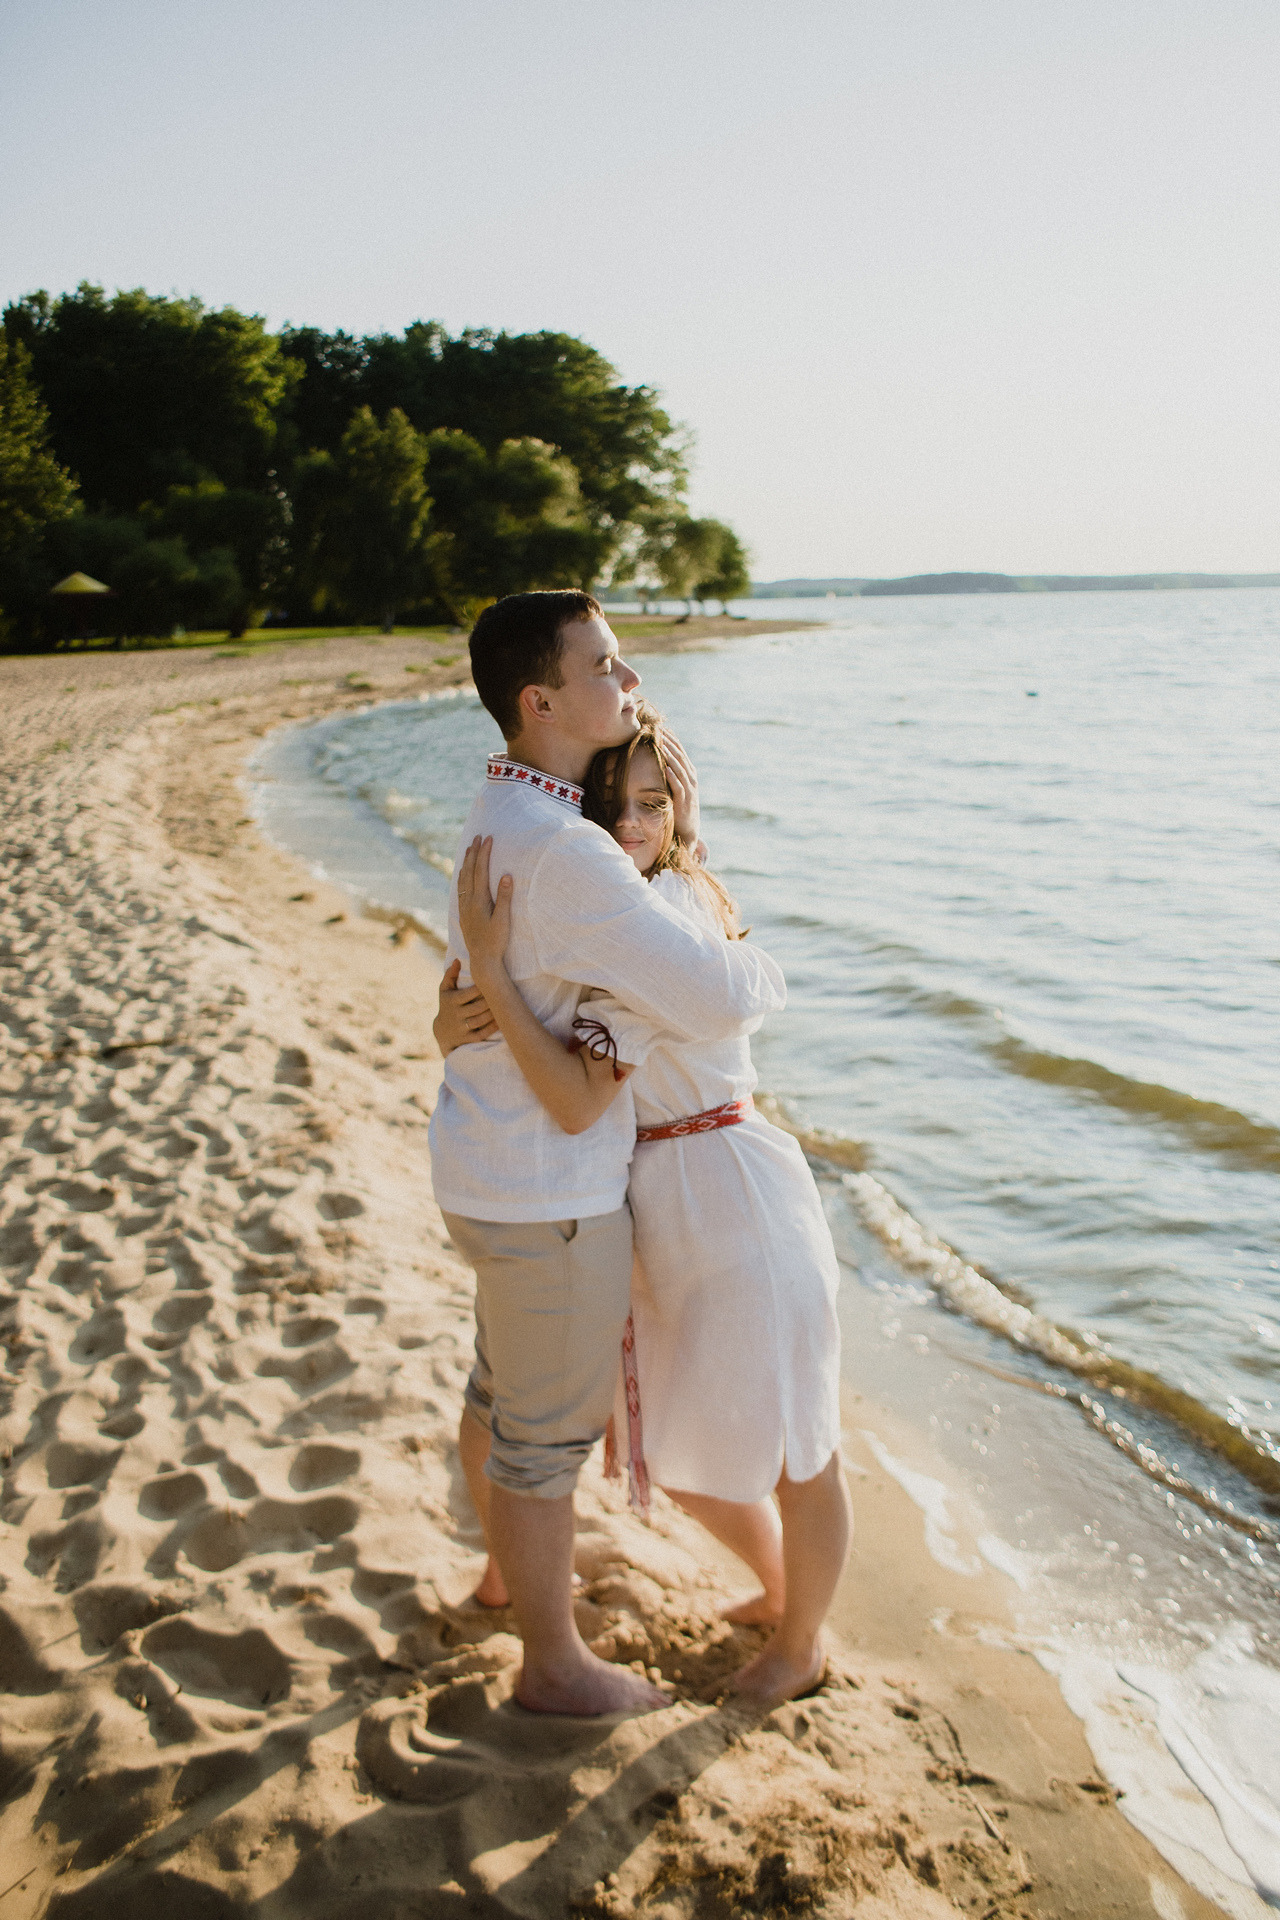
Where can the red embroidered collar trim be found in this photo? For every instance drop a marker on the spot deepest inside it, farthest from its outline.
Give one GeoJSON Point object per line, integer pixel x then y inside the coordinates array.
{"type": "Point", "coordinates": [502, 768]}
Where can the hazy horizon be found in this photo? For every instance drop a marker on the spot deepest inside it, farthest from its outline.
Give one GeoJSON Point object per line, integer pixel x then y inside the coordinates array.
{"type": "Point", "coordinates": [936, 288]}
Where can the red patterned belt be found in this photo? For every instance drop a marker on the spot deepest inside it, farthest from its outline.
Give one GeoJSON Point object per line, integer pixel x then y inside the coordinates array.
{"type": "Point", "coordinates": [731, 1114]}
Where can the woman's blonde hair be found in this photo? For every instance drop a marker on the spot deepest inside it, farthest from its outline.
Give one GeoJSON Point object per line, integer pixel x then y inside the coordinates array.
{"type": "Point", "coordinates": [605, 795]}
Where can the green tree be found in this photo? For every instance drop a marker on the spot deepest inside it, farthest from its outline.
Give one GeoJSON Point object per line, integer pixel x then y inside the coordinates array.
{"type": "Point", "coordinates": [252, 526]}
{"type": "Point", "coordinates": [682, 551]}
{"type": "Point", "coordinates": [362, 519]}
{"type": "Point", "coordinates": [329, 387]}
{"type": "Point", "coordinates": [261, 456]}
{"type": "Point", "coordinates": [628, 458]}
{"type": "Point", "coordinates": [146, 392]}
{"type": "Point", "coordinates": [730, 576]}
{"type": "Point", "coordinates": [35, 492]}
{"type": "Point", "coordinates": [506, 522]}
{"type": "Point", "coordinates": [160, 585]}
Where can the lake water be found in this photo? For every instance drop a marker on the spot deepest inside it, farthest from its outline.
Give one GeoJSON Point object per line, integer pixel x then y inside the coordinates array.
{"type": "Point", "coordinates": [1019, 856]}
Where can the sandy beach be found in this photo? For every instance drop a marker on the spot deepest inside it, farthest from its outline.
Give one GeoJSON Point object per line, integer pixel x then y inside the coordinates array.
{"type": "Point", "coordinates": [240, 1673]}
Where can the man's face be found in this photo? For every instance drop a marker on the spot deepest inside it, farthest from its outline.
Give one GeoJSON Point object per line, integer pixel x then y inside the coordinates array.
{"type": "Point", "coordinates": [594, 704]}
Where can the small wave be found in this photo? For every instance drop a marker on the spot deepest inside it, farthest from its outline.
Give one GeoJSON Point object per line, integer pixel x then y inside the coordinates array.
{"type": "Point", "coordinates": [798, 922]}
{"type": "Point", "coordinates": [967, 1291]}
{"type": "Point", "coordinates": [1207, 1125]}
{"type": "Point", "coordinates": [404, 921]}
{"type": "Point", "coordinates": [835, 1148]}
{"type": "Point", "coordinates": [426, 850]}
{"type": "Point", "coordinates": [739, 813]}
{"type": "Point", "coordinates": [1210, 1127]}
{"type": "Point", "coordinates": [944, 1005]}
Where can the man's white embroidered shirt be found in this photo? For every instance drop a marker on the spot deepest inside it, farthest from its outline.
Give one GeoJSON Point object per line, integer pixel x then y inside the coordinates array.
{"type": "Point", "coordinates": [581, 917]}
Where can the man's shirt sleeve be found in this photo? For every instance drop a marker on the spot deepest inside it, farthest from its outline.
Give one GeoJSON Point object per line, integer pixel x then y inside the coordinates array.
{"type": "Point", "coordinates": [594, 920]}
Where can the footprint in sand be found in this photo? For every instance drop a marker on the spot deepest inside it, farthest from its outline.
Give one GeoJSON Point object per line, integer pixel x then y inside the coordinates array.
{"type": "Point", "coordinates": [122, 1426]}
{"type": "Point", "coordinates": [22, 1671]}
{"type": "Point", "coordinates": [471, 1734]}
{"type": "Point", "coordinates": [293, 1069]}
{"type": "Point", "coordinates": [305, 1329]}
{"type": "Point", "coordinates": [170, 1494]}
{"type": "Point", "coordinates": [70, 1464]}
{"type": "Point", "coordinates": [237, 1480]}
{"type": "Point", "coordinates": [180, 1313]}
{"type": "Point", "coordinates": [314, 1367]}
{"type": "Point", "coordinates": [339, 1206]}
{"type": "Point", "coordinates": [99, 1338]}
{"type": "Point", "coordinates": [109, 1608]}
{"type": "Point", "coordinates": [82, 1197]}
{"type": "Point", "coordinates": [75, 1549]}
{"type": "Point", "coordinates": [369, 1304]}
{"type": "Point", "coordinates": [319, 1464]}
{"type": "Point", "coordinates": [220, 1540]}
{"type": "Point", "coordinates": [246, 1668]}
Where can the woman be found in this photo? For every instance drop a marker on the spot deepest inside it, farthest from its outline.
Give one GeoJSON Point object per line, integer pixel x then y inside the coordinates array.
{"type": "Point", "coordinates": [733, 1293]}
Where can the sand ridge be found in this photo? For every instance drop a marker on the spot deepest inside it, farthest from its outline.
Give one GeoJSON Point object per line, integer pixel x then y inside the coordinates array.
{"type": "Point", "coordinates": [239, 1671]}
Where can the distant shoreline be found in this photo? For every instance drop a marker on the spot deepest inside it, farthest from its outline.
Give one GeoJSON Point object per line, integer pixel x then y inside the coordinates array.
{"type": "Point", "coordinates": [920, 583]}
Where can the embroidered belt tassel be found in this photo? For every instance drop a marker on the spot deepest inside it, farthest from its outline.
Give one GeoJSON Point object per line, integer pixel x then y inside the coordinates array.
{"type": "Point", "coordinates": [637, 1471]}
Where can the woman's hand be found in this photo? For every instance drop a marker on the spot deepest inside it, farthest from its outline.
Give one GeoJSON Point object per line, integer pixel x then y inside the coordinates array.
{"type": "Point", "coordinates": [682, 779]}
{"type": "Point", "coordinates": [486, 921]}
{"type": "Point", "coordinates": [463, 1014]}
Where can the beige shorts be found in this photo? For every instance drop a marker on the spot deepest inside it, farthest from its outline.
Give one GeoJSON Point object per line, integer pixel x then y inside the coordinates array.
{"type": "Point", "coordinates": [552, 1298]}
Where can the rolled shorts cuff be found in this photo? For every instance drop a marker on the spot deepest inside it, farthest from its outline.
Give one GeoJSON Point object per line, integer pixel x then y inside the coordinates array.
{"type": "Point", "coordinates": [539, 1473]}
{"type": "Point", "coordinates": [478, 1400]}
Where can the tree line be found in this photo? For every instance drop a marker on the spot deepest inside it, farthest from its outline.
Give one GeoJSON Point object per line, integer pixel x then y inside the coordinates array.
{"type": "Point", "coordinates": [212, 473]}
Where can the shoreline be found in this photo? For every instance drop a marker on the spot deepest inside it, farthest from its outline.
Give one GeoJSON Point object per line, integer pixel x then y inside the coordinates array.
{"type": "Point", "coordinates": [271, 1560]}
{"type": "Point", "coordinates": [677, 633]}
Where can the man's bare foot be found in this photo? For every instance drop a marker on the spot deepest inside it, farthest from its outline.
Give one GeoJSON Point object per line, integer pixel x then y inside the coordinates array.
{"type": "Point", "coordinates": [492, 1591]}
{"type": "Point", "coordinates": [779, 1674]}
{"type": "Point", "coordinates": [587, 1685]}
{"type": "Point", "coordinates": [759, 1611]}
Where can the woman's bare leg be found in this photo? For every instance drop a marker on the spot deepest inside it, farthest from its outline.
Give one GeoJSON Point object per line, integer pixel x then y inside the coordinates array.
{"type": "Point", "coordinates": [753, 1531]}
{"type": "Point", "coordinates": [817, 1523]}
{"type": "Point", "coordinates": [473, 1445]}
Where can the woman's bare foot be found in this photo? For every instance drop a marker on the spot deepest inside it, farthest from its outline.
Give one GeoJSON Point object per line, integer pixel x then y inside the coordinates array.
{"type": "Point", "coordinates": [587, 1685]}
{"type": "Point", "coordinates": [761, 1610]}
{"type": "Point", "coordinates": [780, 1673]}
{"type": "Point", "coordinates": [492, 1591]}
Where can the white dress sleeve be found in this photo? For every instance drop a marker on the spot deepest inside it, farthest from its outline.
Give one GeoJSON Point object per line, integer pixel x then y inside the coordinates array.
{"type": "Point", "coordinates": [636, 1034]}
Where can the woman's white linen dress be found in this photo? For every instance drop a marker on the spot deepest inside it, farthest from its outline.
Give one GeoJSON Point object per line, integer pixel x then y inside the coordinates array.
{"type": "Point", "coordinates": [735, 1278]}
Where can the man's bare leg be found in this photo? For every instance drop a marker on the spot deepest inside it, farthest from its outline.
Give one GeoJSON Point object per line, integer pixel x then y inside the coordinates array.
{"type": "Point", "coordinates": [817, 1523]}
{"type": "Point", "coordinates": [473, 1445]}
{"type": "Point", "coordinates": [752, 1530]}
{"type": "Point", "coordinates": [533, 1542]}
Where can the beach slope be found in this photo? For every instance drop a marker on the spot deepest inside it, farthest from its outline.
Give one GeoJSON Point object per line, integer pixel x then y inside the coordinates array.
{"type": "Point", "coordinates": [240, 1673]}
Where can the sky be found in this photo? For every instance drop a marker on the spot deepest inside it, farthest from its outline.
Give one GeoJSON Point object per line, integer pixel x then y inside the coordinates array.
{"type": "Point", "coordinates": [934, 284]}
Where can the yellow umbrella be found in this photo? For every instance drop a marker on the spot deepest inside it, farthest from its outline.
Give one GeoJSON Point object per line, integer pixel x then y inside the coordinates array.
{"type": "Point", "coordinates": [79, 583]}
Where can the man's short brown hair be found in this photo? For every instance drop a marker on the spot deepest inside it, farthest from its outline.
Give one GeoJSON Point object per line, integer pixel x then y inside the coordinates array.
{"type": "Point", "coordinates": [516, 644]}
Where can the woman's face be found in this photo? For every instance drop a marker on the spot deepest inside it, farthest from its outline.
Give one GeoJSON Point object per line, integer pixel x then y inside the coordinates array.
{"type": "Point", "coordinates": [644, 827]}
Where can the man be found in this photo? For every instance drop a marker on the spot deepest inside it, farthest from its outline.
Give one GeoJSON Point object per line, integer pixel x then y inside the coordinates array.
{"type": "Point", "coordinates": [541, 1214]}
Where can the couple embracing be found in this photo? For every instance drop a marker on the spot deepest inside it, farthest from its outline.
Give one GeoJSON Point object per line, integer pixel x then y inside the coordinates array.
{"type": "Point", "coordinates": [597, 1161]}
